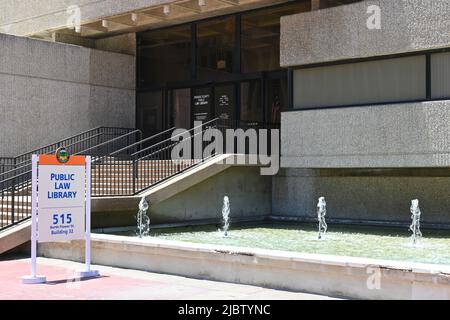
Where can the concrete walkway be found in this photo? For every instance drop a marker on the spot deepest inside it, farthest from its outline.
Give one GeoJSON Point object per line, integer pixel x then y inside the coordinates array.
{"type": "Point", "coordinates": [123, 284]}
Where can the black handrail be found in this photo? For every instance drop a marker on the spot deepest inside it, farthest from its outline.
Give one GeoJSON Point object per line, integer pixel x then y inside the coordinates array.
{"type": "Point", "coordinates": [139, 143]}
{"type": "Point", "coordinates": [15, 204]}
{"type": "Point", "coordinates": [117, 170]}
{"type": "Point", "coordinates": [111, 141]}
{"type": "Point", "coordinates": [176, 136]}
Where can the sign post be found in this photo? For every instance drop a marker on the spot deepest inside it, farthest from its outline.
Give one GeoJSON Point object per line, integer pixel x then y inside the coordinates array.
{"type": "Point", "coordinates": [61, 205]}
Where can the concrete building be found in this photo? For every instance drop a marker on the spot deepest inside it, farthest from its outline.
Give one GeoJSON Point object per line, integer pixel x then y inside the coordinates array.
{"type": "Point", "coordinates": [360, 90]}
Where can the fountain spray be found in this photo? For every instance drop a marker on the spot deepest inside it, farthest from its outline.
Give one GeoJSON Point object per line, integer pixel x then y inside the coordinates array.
{"type": "Point", "coordinates": [415, 224]}
{"type": "Point", "coordinates": [225, 215]}
{"type": "Point", "coordinates": [321, 212]}
{"type": "Point", "coordinates": [143, 221]}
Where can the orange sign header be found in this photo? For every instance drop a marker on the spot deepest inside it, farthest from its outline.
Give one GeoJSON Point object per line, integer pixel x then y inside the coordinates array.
{"type": "Point", "coordinates": [51, 159]}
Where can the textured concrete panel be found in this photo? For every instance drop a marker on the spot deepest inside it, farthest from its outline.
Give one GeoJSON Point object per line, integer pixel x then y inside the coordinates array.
{"type": "Point", "coordinates": [342, 33]}
{"type": "Point", "coordinates": [51, 91]}
{"type": "Point", "coordinates": [249, 193]}
{"type": "Point", "coordinates": [26, 17]}
{"type": "Point", "coordinates": [400, 135]}
{"type": "Point", "coordinates": [295, 194]}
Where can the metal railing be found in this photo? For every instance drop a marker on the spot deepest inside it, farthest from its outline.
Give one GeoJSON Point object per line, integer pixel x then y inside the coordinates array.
{"type": "Point", "coordinates": [123, 163]}
{"type": "Point", "coordinates": [125, 172]}
{"type": "Point", "coordinates": [15, 197]}
{"type": "Point", "coordinates": [6, 164]}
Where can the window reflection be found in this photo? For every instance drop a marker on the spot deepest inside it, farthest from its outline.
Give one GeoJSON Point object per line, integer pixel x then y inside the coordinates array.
{"type": "Point", "coordinates": [216, 42]}
{"type": "Point", "coordinates": [165, 56]}
{"type": "Point", "coordinates": [251, 106]}
{"type": "Point", "coordinates": [261, 37]}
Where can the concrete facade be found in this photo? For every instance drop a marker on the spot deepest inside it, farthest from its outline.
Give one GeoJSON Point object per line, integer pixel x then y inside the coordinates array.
{"type": "Point", "coordinates": [400, 135]}
{"type": "Point", "coordinates": [26, 17]}
{"type": "Point", "coordinates": [370, 136]}
{"type": "Point", "coordinates": [385, 199]}
{"type": "Point", "coordinates": [249, 193]}
{"type": "Point", "coordinates": [33, 17]}
{"type": "Point", "coordinates": [50, 91]}
{"type": "Point", "coordinates": [341, 33]}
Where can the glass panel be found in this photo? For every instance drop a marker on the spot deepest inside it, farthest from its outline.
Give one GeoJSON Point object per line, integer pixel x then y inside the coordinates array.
{"type": "Point", "coordinates": [440, 75]}
{"type": "Point", "coordinates": [381, 81]}
{"type": "Point", "coordinates": [216, 42]}
{"type": "Point", "coordinates": [260, 42]}
{"type": "Point", "coordinates": [180, 103]}
{"type": "Point", "coordinates": [165, 56]}
{"type": "Point", "coordinates": [251, 105]}
{"type": "Point", "coordinates": [276, 99]}
{"type": "Point", "coordinates": [150, 112]}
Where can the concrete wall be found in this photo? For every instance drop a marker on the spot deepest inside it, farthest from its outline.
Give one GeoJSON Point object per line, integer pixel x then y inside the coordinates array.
{"type": "Point", "coordinates": [50, 91]}
{"type": "Point", "coordinates": [323, 274]}
{"type": "Point", "coordinates": [341, 32]}
{"type": "Point", "coordinates": [376, 198]}
{"type": "Point", "coordinates": [400, 135]}
{"type": "Point", "coordinates": [249, 193]}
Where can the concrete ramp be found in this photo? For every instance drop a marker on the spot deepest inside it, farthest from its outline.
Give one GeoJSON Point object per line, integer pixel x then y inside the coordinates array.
{"type": "Point", "coordinates": [15, 236]}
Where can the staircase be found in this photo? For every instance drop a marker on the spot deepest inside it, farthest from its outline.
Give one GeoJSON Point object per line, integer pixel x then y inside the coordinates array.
{"type": "Point", "coordinates": [123, 164]}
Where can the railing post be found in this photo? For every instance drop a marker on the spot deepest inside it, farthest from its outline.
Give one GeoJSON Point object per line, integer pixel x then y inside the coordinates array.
{"type": "Point", "coordinates": [134, 176]}
{"type": "Point", "coordinates": [13, 197]}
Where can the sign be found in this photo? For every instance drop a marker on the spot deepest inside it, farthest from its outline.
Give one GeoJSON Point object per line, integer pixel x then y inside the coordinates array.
{"type": "Point", "coordinates": [61, 206]}
{"type": "Point", "coordinates": [202, 107]}
{"type": "Point", "coordinates": [61, 209]}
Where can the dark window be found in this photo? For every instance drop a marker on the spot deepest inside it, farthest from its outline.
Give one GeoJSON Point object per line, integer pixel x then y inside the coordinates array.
{"type": "Point", "coordinates": [251, 107]}
{"type": "Point", "coordinates": [165, 56]}
{"type": "Point", "coordinates": [180, 108]}
{"type": "Point", "coordinates": [380, 81]}
{"type": "Point", "coordinates": [260, 44]}
{"type": "Point", "coordinates": [215, 46]}
{"type": "Point", "coordinates": [276, 99]}
{"type": "Point", "coordinates": [150, 112]}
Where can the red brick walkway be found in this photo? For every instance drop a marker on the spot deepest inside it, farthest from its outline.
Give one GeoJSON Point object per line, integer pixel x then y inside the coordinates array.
{"type": "Point", "coordinates": [115, 283]}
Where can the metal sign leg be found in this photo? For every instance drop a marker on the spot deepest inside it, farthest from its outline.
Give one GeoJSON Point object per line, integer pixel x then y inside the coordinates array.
{"type": "Point", "coordinates": [33, 278]}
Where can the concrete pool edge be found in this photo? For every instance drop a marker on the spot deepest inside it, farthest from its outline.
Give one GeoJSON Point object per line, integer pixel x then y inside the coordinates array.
{"type": "Point", "coordinates": [315, 273]}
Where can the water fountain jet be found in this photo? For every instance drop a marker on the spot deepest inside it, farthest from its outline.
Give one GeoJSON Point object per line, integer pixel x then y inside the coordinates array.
{"type": "Point", "coordinates": [225, 215]}
{"type": "Point", "coordinates": [415, 224]}
{"type": "Point", "coordinates": [321, 212]}
{"type": "Point", "coordinates": [142, 219]}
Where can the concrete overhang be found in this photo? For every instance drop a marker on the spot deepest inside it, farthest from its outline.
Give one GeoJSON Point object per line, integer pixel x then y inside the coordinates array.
{"type": "Point", "coordinates": [99, 19]}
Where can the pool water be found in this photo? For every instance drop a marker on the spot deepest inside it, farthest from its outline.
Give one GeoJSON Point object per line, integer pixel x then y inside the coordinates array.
{"type": "Point", "coordinates": [355, 241]}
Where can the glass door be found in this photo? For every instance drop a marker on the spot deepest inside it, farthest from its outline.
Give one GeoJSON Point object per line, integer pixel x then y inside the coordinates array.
{"type": "Point", "coordinates": [150, 108]}
{"type": "Point", "coordinates": [179, 101]}
{"type": "Point", "coordinates": [276, 99]}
